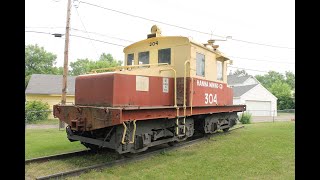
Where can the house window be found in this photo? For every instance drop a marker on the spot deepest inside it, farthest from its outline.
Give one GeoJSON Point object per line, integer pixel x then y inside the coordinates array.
{"type": "Point", "coordinates": [144, 57]}
{"type": "Point", "coordinates": [130, 59]}
{"type": "Point", "coordinates": [164, 56]}
{"type": "Point", "coordinates": [200, 64]}
{"type": "Point", "coordinates": [219, 71]}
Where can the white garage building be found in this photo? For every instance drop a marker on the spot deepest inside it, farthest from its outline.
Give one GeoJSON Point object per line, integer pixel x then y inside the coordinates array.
{"type": "Point", "coordinates": [248, 90]}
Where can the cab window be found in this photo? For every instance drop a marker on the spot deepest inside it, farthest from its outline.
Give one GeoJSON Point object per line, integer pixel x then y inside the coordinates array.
{"type": "Point", "coordinates": [130, 59]}
{"type": "Point", "coordinates": [144, 57]}
{"type": "Point", "coordinates": [200, 64]}
{"type": "Point", "coordinates": [164, 56]}
{"type": "Point", "coordinates": [219, 70]}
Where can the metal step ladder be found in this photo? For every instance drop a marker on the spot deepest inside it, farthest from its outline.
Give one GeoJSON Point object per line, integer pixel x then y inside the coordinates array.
{"type": "Point", "coordinates": [181, 126]}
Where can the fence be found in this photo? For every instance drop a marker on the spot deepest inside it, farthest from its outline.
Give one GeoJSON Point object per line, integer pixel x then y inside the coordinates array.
{"type": "Point", "coordinates": [272, 116]}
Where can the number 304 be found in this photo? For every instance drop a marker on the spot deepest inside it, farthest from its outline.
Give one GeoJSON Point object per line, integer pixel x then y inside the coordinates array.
{"type": "Point", "coordinates": [153, 43]}
{"type": "Point", "coordinates": [209, 98]}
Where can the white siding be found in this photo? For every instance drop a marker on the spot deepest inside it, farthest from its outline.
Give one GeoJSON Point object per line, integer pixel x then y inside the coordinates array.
{"type": "Point", "coordinates": [236, 101]}
{"type": "Point", "coordinates": [259, 93]}
{"type": "Point", "coordinates": [259, 108]}
{"type": "Point", "coordinates": [250, 81]}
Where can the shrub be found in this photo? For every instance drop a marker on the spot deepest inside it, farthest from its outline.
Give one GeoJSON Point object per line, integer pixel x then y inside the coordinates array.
{"type": "Point", "coordinates": [36, 111]}
{"type": "Point", "coordinates": [245, 118]}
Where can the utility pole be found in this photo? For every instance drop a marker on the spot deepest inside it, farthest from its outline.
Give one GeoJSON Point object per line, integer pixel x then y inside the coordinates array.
{"type": "Point", "coordinates": [65, 66]}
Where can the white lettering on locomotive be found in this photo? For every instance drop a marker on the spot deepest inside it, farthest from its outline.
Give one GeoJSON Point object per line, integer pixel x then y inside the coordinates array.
{"type": "Point", "coordinates": [209, 84]}
{"type": "Point", "coordinates": [210, 98]}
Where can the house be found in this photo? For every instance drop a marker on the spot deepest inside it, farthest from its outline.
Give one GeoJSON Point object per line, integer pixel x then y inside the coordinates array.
{"type": "Point", "coordinates": [48, 88]}
{"type": "Point", "coordinates": [248, 90]}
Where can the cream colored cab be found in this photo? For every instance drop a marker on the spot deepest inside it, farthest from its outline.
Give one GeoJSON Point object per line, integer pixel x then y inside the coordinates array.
{"type": "Point", "coordinates": [206, 62]}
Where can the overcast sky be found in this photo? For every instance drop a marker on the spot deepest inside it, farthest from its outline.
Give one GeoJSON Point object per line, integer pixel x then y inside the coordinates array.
{"type": "Point", "coordinates": [269, 22]}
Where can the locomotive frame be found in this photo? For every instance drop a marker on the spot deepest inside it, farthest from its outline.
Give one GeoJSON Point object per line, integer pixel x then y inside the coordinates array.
{"type": "Point", "coordinates": [144, 104]}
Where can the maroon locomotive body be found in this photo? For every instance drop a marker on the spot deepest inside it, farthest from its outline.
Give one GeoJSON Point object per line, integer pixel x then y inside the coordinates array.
{"type": "Point", "coordinates": [169, 89]}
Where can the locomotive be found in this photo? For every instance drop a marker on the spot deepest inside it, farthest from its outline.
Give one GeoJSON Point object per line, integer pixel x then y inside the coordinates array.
{"type": "Point", "coordinates": [169, 88]}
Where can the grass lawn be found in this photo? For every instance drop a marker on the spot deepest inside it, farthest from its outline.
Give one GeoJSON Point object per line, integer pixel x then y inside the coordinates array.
{"type": "Point", "coordinates": [43, 142]}
{"type": "Point", "coordinates": [47, 122]}
{"type": "Point", "coordinates": [258, 151]}
{"type": "Point", "coordinates": [285, 114]}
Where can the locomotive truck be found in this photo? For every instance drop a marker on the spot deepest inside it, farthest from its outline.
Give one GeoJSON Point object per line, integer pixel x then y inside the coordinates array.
{"type": "Point", "coordinates": [169, 88]}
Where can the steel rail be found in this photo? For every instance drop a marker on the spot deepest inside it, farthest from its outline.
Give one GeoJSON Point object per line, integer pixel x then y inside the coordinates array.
{"type": "Point", "coordinates": [136, 157]}
{"type": "Point", "coordinates": [57, 156]}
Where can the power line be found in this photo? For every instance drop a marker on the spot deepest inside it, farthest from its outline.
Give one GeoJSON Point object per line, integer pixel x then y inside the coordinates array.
{"type": "Point", "coordinates": [132, 41]}
{"type": "Point", "coordinates": [91, 32]}
{"type": "Point", "coordinates": [98, 40]}
{"type": "Point", "coordinates": [149, 19]}
{"type": "Point", "coordinates": [80, 37]}
{"type": "Point", "coordinates": [248, 69]}
{"type": "Point", "coordinates": [239, 40]}
{"type": "Point", "coordinates": [41, 27]}
{"type": "Point", "coordinates": [103, 35]}
{"type": "Point", "coordinates": [262, 44]}
{"type": "Point", "coordinates": [39, 32]}
{"type": "Point", "coordinates": [94, 47]}
{"type": "Point", "coordinates": [250, 59]}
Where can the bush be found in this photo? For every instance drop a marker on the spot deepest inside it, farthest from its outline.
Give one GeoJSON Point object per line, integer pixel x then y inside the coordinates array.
{"type": "Point", "coordinates": [245, 118]}
{"type": "Point", "coordinates": [36, 111]}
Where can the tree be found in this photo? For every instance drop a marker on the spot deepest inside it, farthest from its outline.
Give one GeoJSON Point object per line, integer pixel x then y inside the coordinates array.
{"type": "Point", "coordinates": [290, 79]}
{"type": "Point", "coordinates": [39, 61]}
{"type": "Point", "coordinates": [82, 66]}
{"type": "Point", "coordinates": [240, 72]}
{"type": "Point", "coordinates": [268, 79]}
{"type": "Point", "coordinates": [282, 91]}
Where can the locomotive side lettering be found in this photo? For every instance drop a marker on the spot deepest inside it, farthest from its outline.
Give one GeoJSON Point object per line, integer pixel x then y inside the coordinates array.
{"type": "Point", "coordinates": [209, 84]}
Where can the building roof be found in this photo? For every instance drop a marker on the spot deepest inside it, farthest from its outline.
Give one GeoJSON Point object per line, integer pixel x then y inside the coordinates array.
{"type": "Point", "coordinates": [240, 90]}
{"type": "Point", "coordinates": [49, 84]}
{"type": "Point", "coordinates": [236, 79]}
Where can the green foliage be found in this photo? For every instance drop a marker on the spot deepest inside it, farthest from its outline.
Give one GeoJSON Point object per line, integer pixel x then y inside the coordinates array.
{"type": "Point", "coordinates": [283, 92]}
{"type": "Point", "coordinates": [281, 87]}
{"type": "Point", "coordinates": [245, 118]}
{"type": "Point", "coordinates": [268, 79]}
{"type": "Point", "coordinates": [36, 111]}
{"type": "Point", "coordinates": [290, 79]}
{"type": "Point", "coordinates": [82, 66]}
{"type": "Point", "coordinates": [39, 61]}
{"type": "Point", "coordinates": [240, 72]}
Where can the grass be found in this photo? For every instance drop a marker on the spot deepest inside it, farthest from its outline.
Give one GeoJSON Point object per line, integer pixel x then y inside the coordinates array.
{"type": "Point", "coordinates": [43, 142]}
{"type": "Point", "coordinates": [47, 122]}
{"type": "Point", "coordinates": [258, 151]}
{"type": "Point", "coordinates": [285, 114]}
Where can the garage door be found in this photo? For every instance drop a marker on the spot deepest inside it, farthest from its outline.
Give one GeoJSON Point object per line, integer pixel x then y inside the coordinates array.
{"type": "Point", "coordinates": [259, 108]}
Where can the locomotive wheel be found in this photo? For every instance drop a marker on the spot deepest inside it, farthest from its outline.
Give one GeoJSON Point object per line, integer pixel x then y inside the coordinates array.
{"type": "Point", "coordinates": [172, 143]}
{"type": "Point", "coordinates": [226, 129]}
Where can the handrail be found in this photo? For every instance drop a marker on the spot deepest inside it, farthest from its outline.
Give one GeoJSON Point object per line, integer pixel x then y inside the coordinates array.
{"type": "Point", "coordinates": [191, 101]}
{"type": "Point", "coordinates": [175, 83]}
{"type": "Point", "coordinates": [125, 131]}
{"type": "Point", "coordinates": [127, 67]}
{"type": "Point", "coordinates": [134, 131]}
{"type": "Point", "coordinates": [184, 85]}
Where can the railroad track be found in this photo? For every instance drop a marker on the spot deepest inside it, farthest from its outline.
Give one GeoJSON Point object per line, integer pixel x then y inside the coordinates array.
{"type": "Point", "coordinates": [127, 159]}
{"type": "Point", "coordinates": [57, 156]}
